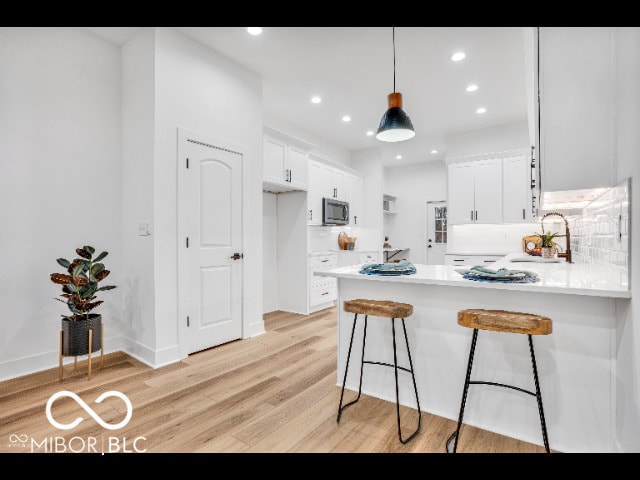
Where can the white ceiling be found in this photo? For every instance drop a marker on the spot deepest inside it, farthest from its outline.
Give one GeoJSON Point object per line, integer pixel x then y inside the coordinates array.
{"type": "Point", "coordinates": [351, 68]}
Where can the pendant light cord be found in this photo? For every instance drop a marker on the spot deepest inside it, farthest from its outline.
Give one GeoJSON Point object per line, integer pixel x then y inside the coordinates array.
{"type": "Point", "coordinates": [394, 59]}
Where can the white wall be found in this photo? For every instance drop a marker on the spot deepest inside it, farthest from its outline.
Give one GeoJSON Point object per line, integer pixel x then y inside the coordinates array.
{"type": "Point", "coordinates": [205, 92]}
{"type": "Point", "coordinates": [269, 252]}
{"type": "Point", "coordinates": [59, 182]}
{"type": "Point", "coordinates": [324, 148]}
{"type": "Point", "coordinates": [628, 166]}
{"type": "Point", "coordinates": [138, 107]}
{"type": "Point", "coordinates": [414, 186]}
{"type": "Point", "coordinates": [485, 142]}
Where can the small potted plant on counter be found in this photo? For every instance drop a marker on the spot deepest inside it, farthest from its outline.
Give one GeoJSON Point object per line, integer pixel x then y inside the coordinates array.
{"type": "Point", "coordinates": [79, 288]}
{"type": "Point", "coordinates": [548, 245]}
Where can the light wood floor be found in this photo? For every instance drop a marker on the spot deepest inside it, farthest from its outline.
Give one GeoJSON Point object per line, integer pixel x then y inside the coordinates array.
{"type": "Point", "coordinates": [275, 393]}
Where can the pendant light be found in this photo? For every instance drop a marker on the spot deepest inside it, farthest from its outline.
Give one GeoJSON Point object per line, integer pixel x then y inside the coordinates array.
{"type": "Point", "coordinates": [395, 125]}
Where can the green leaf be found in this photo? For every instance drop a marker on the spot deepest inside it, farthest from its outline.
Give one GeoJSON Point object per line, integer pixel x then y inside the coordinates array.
{"type": "Point", "coordinates": [78, 270]}
{"type": "Point", "coordinates": [106, 287]}
{"type": "Point", "coordinates": [63, 262]}
{"type": "Point", "coordinates": [101, 256]}
{"type": "Point", "coordinates": [88, 290]}
{"type": "Point", "coordinates": [97, 268]}
{"type": "Point", "coordinates": [89, 249]}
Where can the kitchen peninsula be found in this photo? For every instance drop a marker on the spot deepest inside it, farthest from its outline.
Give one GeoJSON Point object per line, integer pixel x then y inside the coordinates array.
{"type": "Point", "coordinates": [576, 363]}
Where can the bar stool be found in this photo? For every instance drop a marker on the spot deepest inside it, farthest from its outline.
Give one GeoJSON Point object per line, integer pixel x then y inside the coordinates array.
{"type": "Point", "coordinates": [386, 309]}
{"type": "Point", "coordinates": [509, 322]}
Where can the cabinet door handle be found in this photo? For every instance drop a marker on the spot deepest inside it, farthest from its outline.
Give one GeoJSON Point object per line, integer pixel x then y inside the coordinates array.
{"type": "Point", "coordinates": [290, 175]}
{"type": "Point", "coordinates": [476, 215]}
{"type": "Point", "coordinates": [472, 215]}
{"type": "Point", "coordinates": [311, 214]}
{"type": "Point", "coordinates": [355, 219]}
{"type": "Point", "coordinates": [523, 213]}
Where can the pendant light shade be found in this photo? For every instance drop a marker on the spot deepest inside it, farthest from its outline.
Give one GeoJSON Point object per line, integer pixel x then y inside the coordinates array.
{"type": "Point", "coordinates": [395, 125]}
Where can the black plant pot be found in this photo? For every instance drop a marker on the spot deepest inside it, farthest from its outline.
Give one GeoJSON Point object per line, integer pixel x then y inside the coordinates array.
{"type": "Point", "coordinates": [75, 335]}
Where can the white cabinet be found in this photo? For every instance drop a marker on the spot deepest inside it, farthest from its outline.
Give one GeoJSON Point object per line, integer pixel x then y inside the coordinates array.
{"type": "Point", "coordinates": [470, 260]}
{"type": "Point", "coordinates": [516, 189]}
{"type": "Point", "coordinates": [327, 181]}
{"type": "Point", "coordinates": [356, 201]}
{"type": "Point", "coordinates": [322, 290]}
{"type": "Point", "coordinates": [576, 108]}
{"type": "Point", "coordinates": [475, 192]}
{"type": "Point", "coordinates": [285, 162]}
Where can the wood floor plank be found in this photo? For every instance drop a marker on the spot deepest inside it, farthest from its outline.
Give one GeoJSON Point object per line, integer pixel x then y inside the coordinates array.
{"type": "Point", "coordinates": [273, 393]}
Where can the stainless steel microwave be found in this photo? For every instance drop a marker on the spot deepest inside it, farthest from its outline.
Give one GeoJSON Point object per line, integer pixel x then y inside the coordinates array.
{"type": "Point", "coordinates": [335, 212]}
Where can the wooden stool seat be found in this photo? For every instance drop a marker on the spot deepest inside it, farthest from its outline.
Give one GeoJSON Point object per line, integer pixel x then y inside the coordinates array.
{"type": "Point", "coordinates": [505, 321]}
{"type": "Point", "coordinates": [378, 308]}
{"type": "Point", "coordinates": [394, 311]}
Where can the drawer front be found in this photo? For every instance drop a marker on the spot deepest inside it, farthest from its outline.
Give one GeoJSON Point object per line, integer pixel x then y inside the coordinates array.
{"type": "Point", "coordinates": [323, 261]}
{"type": "Point", "coordinates": [322, 293]}
{"type": "Point", "coordinates": [368, 258]}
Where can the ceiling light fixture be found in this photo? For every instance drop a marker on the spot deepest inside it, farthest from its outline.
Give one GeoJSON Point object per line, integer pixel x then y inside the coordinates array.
{"type": "Point", "coordinates": [254, 30]}
{"type": "Point", "coordinates": [456, 57]}
{"type": "Point", "coordinates": [398, 157]}
{"type": "Point", "coordinates": [395, 125]}
{"type": "Point", "coordinates": [433, 152]}
{"type": "Point", "coordinates": [346, 118]}
{"type": "Point", "coordinates": [472, 88]}
{"type": "Point", "coordinates": [316, 100]}
{"type": "Point", "coordinates": [481, 110]}
{"type": "Point", "coordinates": [369, 133]}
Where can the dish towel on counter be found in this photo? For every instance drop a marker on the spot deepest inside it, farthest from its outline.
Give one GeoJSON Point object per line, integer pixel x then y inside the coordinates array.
{"type": "Point", "coordinates": [502, 275]}
{"type": "Point", "coordinates": [402, 267]}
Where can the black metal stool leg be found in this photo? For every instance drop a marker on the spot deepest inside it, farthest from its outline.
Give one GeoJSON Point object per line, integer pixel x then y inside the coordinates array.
{"type": "Point", "coordinates": [346, 369]}
{"type": "Point", "coordinates": [465, 390]}
{"type": "Point", "coordinates": [415, 388]}
{"type": "Point", "coordinates": [543, 423]}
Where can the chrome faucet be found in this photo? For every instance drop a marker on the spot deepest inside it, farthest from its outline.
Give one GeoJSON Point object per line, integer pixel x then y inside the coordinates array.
{"type": "Point", "coordinates": [567, 253]}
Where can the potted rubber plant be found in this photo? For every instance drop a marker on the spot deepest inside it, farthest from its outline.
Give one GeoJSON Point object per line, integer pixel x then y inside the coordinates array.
{"type": "Point", "coordinates": [80, 285]}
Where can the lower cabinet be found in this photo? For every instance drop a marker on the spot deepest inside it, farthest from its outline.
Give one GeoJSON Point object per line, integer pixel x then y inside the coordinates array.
{"type": "Point", "coordinates": [470, 260]}
{"type": "Point", "coordinates": [322, 290]}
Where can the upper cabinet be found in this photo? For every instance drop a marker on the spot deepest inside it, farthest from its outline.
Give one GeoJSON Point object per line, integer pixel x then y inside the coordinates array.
{"type": "Point", "coordinates": [327, 181]}
{"type": "Point", "coordinates": [285, 162]}
{"type": "Point", "coordinates": [495, 190]}
{"type": "Point", "coordinates": [475, 192]}
{"type": "Point", "coordinates": [516, 190]}
{"type": "Point", "coordinates": [571, 107]}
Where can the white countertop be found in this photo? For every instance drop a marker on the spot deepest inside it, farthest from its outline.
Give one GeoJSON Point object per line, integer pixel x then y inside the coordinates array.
{"type": "Point", "coordinates": [556, 277]}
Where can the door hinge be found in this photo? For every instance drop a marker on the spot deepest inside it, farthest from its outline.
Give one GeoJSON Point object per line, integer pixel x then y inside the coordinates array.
{"type": "Point", "coordinates": [187, 242]}
{"type": "Point", "coordinates": [187, 321]}
{"type": "Point", "coordinates": [187, 162]}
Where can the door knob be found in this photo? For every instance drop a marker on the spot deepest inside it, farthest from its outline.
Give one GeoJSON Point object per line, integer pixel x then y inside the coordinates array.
{"type": "Point", "coordinates": [429, 246]}
{"type": "Point", "coordinates": [237, 256]}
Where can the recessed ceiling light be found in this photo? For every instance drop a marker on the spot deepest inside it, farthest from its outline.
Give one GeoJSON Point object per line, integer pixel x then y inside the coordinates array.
{"type": "Point", "coordinates": [346, 118]}
{"type": "Point", "coordinates": [433, 152]}
{"type": "Point", "coordinates": [456, 57]}
{"type": "Point", "coordinates": [316, 99]}
{"type": "Point", "coordinates": [481, 110]}
{"type": "Point", "coordinates": [254, 30]}
{"type": "Point", "coordinates": [472, 88]}
{"type": "Point", "coordinates": [369, 133]}
{"type": "Point", "coordinates": [398, 157]}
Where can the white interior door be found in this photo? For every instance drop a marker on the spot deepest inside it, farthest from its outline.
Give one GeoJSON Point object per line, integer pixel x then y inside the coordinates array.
{"type": "Point", "coordinates": [213, 245]}
{"type": "Point", "coordinates": [436, 232]}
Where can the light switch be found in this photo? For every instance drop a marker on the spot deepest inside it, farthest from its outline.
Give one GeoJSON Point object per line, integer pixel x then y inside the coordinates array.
{"type": "Point", "coordinates": [143, 229]}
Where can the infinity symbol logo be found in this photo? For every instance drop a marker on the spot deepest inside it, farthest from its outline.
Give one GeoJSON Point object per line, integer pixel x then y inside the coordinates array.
{"type": "Point", "coordinates": [89, 410]}
{"type": "Point", "coordinates": [13, 438]}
